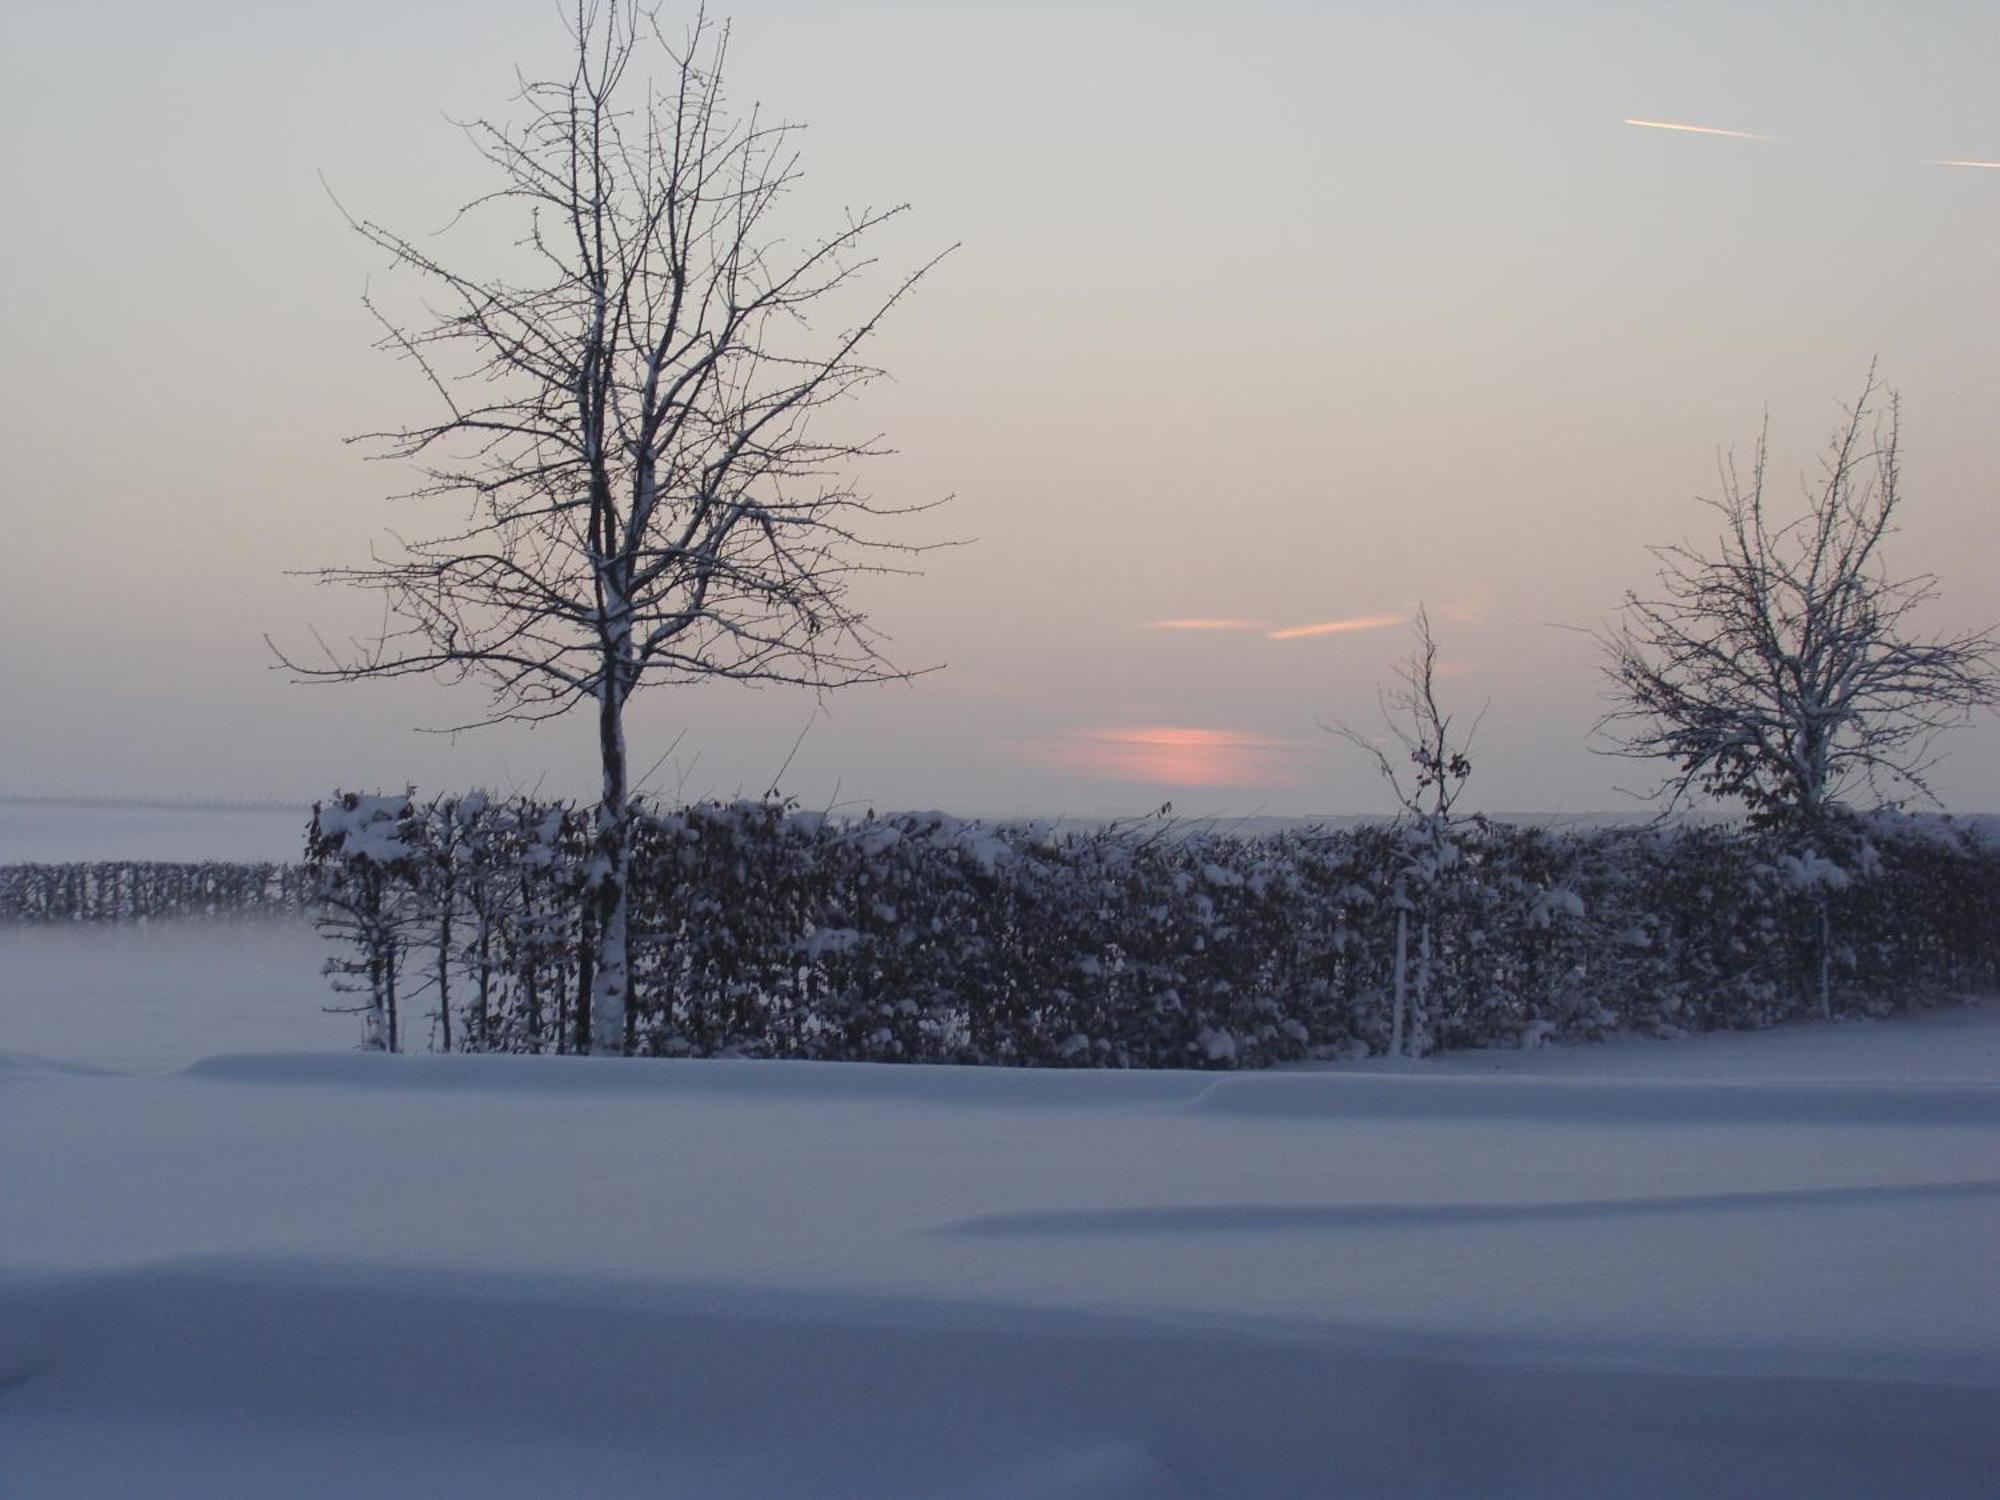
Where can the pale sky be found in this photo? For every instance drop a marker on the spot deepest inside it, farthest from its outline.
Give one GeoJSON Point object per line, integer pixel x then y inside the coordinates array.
{"type": "Point", "coordinates": [1267, 317]}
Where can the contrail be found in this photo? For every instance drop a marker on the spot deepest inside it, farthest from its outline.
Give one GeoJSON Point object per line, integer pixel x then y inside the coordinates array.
{"type": "Point", "coordinates": [1995, 164]}
{"type": "Point", "coordinates": [1336, 627]}
{"type": "Point", "coordinates": [1204, 624]}
{"type": "Point", "coordinates": [1740, 135]}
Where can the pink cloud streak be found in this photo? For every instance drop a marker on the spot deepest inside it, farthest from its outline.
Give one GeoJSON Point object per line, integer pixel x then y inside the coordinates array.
{"type": "Point", "coordinates": [1336, 627]}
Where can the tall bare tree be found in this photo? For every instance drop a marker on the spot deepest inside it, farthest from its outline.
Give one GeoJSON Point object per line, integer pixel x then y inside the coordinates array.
{"type": "Point", "coordinates": [1783, 668]}
{"type": "Point", "coordinates": [630, 420]}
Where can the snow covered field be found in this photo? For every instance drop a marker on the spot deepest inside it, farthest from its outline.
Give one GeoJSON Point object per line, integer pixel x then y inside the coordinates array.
{"type": "Point", "coordinates": [165, 995]}
{"type": "Point", "coordinates": [1737, 1265]}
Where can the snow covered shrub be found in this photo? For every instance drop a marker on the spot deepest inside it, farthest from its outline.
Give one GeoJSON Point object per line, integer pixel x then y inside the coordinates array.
{"type": "Point", "coordinates": [1920, 915]}
{"type": "Point", "coordinates": [370, 896]}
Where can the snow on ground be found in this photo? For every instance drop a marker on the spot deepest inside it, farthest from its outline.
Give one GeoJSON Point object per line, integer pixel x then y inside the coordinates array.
{"type": "Point", "coordinates": [1959, 1043]}
{"type": "Point", "coordinates": [1754, 1265]}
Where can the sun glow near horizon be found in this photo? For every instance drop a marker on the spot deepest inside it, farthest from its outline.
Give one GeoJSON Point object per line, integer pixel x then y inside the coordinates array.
{"type": "Point", "coordinates": [1172, 755]}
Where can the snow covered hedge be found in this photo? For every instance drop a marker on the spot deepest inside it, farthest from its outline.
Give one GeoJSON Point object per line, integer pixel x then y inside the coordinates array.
{"type": "Point", "coordinates": [761, 930]}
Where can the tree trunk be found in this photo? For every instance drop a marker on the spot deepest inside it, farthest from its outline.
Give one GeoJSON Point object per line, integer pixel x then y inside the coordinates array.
{"type": "Point", "coordinates": [376, 1032]}
{"type": "Point", "coordinates": [389, 996]}
{"type": "Point", "coordinates": [1825, 963]}
{"type": "Point", "coordinates": [1422, 995]}
{"type": "Point", "coordinates": [605, 1024]}
{"type": "Point", "coordinates": [444, 964]}
{"type": "Point", "coordinates": [531, 963]}
{"type": "Point", "coordinates": [1402, 975]}
{"type": "Point", "coordinates": [483, 1016]}
{"type": "Point", "coordinates": [573, 1032]}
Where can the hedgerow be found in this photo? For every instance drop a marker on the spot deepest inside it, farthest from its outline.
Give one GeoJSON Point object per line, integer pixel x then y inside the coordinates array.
{"type": "Point", "coordinates": [761, 930]}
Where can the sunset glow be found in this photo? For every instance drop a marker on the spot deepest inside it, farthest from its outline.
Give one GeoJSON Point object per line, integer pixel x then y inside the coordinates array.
{"type": "Point", "coordinates": [1337, 627]}
{"type": "Point", "coordinates": [1173, 755]}
{"type": "Point", "coordinates": [1217, 394]}
{"type": "Point", "coordinates": [1740, 135]}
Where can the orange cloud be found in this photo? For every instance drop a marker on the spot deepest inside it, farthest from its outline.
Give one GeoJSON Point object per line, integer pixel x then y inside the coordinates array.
{"type": "Point", "coordinates": [1469, 611]}
{"type": "Point", "coordinates": [1172, 755]}
{"type": "Point", "coordinates": [1740, 135]}
{"type": "Point", "coordinates": [1336, 627]}
{"type": "Point", "coordinates": [1204, 624]}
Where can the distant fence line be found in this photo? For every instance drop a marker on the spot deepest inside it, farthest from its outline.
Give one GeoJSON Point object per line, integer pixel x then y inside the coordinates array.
{"type": "Point", "coordinates": [143, 890]}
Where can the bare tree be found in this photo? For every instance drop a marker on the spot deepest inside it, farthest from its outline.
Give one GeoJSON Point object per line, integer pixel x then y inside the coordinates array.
{"type": "Point", "coordinates": [629, 423]}
{"type": "Point", "coordinates": [1427, 775]}
{"type": "Point", "coordinates": [1783, 669]}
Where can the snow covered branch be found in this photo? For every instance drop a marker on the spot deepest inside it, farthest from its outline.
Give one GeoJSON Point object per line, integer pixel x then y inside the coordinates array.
{"type": "Point", "coordinates": [1783, 668]}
